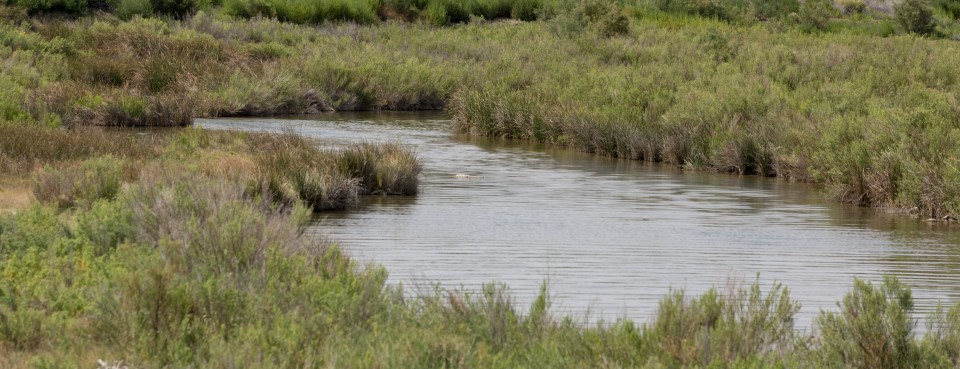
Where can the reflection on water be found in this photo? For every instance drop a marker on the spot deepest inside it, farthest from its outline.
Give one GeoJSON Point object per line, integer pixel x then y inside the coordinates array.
{"type": "Point", "coordinates": [613, 236]}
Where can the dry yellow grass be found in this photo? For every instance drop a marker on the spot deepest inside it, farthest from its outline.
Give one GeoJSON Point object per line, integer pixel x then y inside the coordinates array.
{"type": "Point", "coordinates": [14, 196]}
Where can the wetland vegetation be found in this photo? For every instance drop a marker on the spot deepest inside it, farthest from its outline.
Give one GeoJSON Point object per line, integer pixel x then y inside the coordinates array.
{"type": "Point", "coordinates": [187, 248]}
{"type": "Point", "coordinates": [856, 98]}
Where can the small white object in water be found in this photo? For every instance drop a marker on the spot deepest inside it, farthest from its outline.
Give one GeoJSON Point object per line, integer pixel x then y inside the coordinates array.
{"type": "Point", "coordinates": [465, 176]}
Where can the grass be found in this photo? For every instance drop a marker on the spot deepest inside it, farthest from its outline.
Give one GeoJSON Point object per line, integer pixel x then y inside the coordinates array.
{"type": "Point", "coordinates": [70, 168]}
{"type": "Point", "coordinates": [296, 170]}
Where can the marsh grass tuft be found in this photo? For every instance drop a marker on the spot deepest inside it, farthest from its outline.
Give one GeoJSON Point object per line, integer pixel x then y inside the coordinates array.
{"type": "Point", "coordinates": [294, 168]}
{"type": "Point", "coordinates": [26, 148]}
{"type": "Point", "coordinates": [383, 169]}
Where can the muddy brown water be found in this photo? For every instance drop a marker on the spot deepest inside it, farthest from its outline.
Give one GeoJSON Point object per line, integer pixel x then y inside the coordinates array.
{"type": "Point", "coordinates": [612, 236]}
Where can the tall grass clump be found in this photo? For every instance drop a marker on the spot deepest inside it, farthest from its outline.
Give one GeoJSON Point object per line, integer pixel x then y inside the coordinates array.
{"type": "Point", "coordinates": [814, 15]}
{"type": "Point", "coordinates": [294, 169]}
{"type": "Point", "coordinates": [25, 149]}
{"type": "Point", "coordinates": [383, 169]}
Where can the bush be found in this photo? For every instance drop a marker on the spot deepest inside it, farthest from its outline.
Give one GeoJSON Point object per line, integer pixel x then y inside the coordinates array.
{"type": "Point", "coordinates": [66, 6]}
{"type": "Point", "coordinates": [12, 14]}
{"type": "Point", "coordinates": [853, 6]}
{"type": "Point", "coordinates": [874, 328]}
{"type": "Point", "coordinates": [127, 9]}
{"type": "Point", "coordinates": [814, 14]}
{"type": "Point", "coordinates": [601, 16]}
{"type": "Point", "coordinates": [951, 7]}
{"type": "Point", "coordinates": [771, 9]}
{"type": "Point", "coordinates": [11, 101]}
{"type": "Point", "coordinates": [436, 14]}
{"type": "Point", "coordinates": [79, 184]}
{"type": "Point", "coordinates": [221, 228]}
{"type": "Point", "coordinates": [525, 10]}
{"type": "Point", "coordinates": [725, 327]}
{"type": "Point", "coordinates": [359, 11]}
{"type": "Point", "coordinates": [915, 16]}
{"type": "Point", "coordinates": [941, 344]}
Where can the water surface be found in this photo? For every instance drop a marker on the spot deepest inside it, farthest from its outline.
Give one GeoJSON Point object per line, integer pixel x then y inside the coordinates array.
{"type": "Point", "coordinates": [613, 236]}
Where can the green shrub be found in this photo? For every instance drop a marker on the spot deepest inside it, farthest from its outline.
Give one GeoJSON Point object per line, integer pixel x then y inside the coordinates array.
{"type": "Point", "coordinates": [79, 184]}
{"type": "Point", "coordinates": [718, 9]}
{"type": "Point", "coordinates": [402, 9]}
{"type": "Point", "coordinates": [11, 98]}
{"type": "Point", "coordinates": [604, 17]}
{"type": "Point", "coordinates": [12, 14]}
{"type": "Point", "coordinates": [853, 6]}
{"type": "Point", "coordinates": [951, 7]}
{"type": "Point", "coordinates": [45, 277]}
{"type": "Point", "coordinates": [874, 328]}
{"type": "Point", "coordinates": [106, 225]}
{"type": "Point", "coordinates": [436, 14]}
{"type": "Point", "coordinates": [737, 324]}
{"type": "Point", "coordinates": [814, 14]}
{"type": "Point", "coordinates": [915, 16]}
{"type": "Point", "coordinates": [67, 6]}
{"type": "Point", "coordinates": [772, 9]}
{"type": "Point", "coordinates": [359, 11]}
{"type": "Point", "coordinates": [525, 10]}
{"type": "Point", "coordinates": [249, 8]}
{"type": "Point", "coordinates": [941, 344]}
{"type": "Point", "coordinates": [127, 9]}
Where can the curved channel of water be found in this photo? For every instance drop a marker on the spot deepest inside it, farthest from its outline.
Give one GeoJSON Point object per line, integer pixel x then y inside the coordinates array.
{"type": "Point", "coordinates": [613, 236]}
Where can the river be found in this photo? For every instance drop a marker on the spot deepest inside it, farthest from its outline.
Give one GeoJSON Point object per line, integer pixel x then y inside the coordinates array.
{"type": "Point", "coordinates": [612, 236]}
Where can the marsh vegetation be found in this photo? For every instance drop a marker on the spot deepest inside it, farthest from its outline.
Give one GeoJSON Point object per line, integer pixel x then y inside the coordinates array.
{"type": "Point", "coordinates": [855, 100]}
{"type": "Point", "coordinates": [187, 249]}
